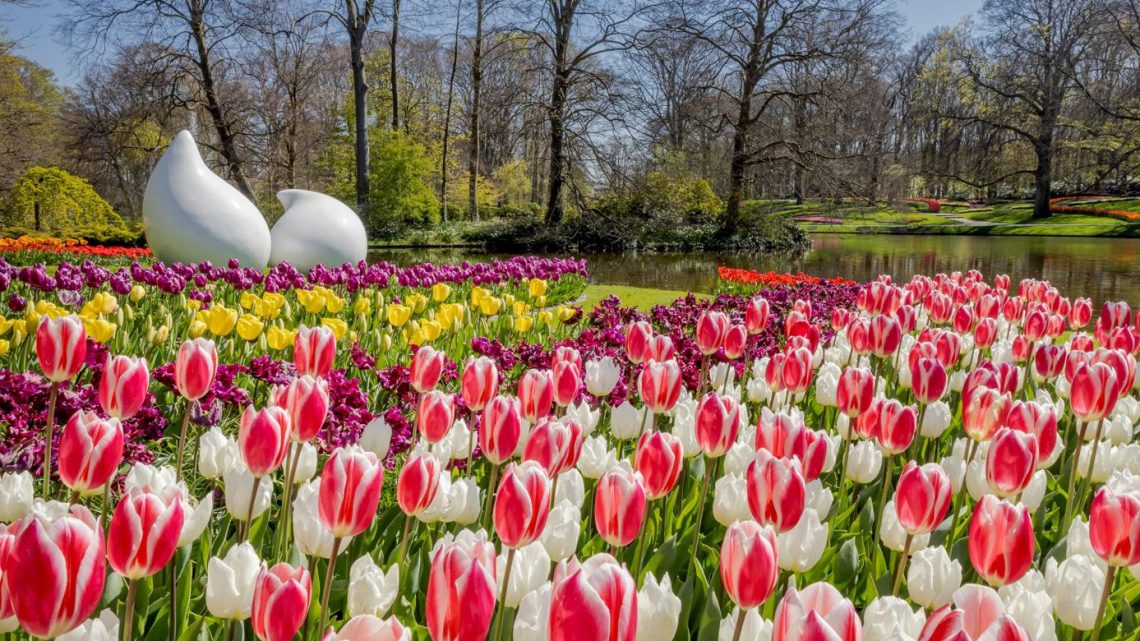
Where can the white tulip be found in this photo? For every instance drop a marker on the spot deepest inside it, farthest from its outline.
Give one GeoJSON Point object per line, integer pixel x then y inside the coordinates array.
{"type": "Point", "coordinates": [459, 441]}
{"type": "Point", "coordinates": [887, 614]}
{"type": "Point", "coordinates": [819, 498]}
{"type": "Point", "coordinates": [685, 429]}
{"type": "Point", "coordinates": [104, 628]}
{"type": "Point", "coordinates": [524, 436]}
{"type": "Point", "coordinates": [756, 628]}
{"type": "Point", "coordinates": [843, 427]}
{"type": "Point", "coordinates": [198, 515]}
{"type": "Point", "coordinates": [216, 453]}
{"type": "Point", "coordinates": [827, 387]}
{"type": "Point", "coordinates": [658, 609]}
{"type": "Point", "coordinates": [739, 457]}
{"type": "Point", "coordinates": [306, 464]}
{"type": "Point", "coordinates": [370, 589]}
{"type": "Point", "coordinates": [377, 437]}
{"type": "Point", "coordinates": [230, 582]}
{"type": "Point", "coordinates": [758, 391]}
{"type": "Point", "coordinates": [1078, 543]}
{"type": "Point", "coordinates": [935, 419]}
{"type": "Point", "coordinates": [729, 500]}
{"type": "Point", "coordinates": [311, 536]}
{"type": "Point", "coordinates": [596, 457]}
{"type": "Point", "coordinates": [436, 511]}
{"type": "Point", "coordinates": [239, 488]}
{"type": "Point", "coordinates": [571, 488]}
{"type": "Point", "coordinates": [585, 416]}
{"type": "Point", "coordinates": [601, 376]}
{"type": "Point", "coordinates": [532, 621]}
{"type": "Point", "coordinates": [1075, 585]}
{"type": "Point", "coordinates": [563, 526]}
{"type": "Point", "coordinates": [957, 380]}
{"type": "Point", "coordinates": [1123, 481]}
{"type": "Point", "coordinates": [50, 510]}
{"type": "Point", "coordinates": [463, 502]}
{"type": "Point", "coordinates": [1034, 493]}
{"type": "Point", "coordinates": [1127, 458]}
{"type": "Point", "coordinates": [893, 536]}
{"type": "Point", "coordinates": [17, 490]}
{"type": "Point", "coordinates": [800, 548]}
{"type": "Point", "coordinates": [529, 570]}
{"type": "Point", "coordinates": [627, 421]}
{"type": "Point", "coordinates": [1061, 386]}
{"type": "Point", "coordinates": [976, 483]}
{"type": "Point", "coordinates": [1118, 429]}
{"type": "Point", "coordinates": [1105, 461]}
{"type": "Point", "coordinates": [1032, 608]}
{"type": "Point", "coordinates": [864, 461]}
{"type": "Point", "coordinates": [148, 478]}
{"type": "Point", "coordinates": [722, 375]}
{"type": "Point", "coordinates": [933, 577]}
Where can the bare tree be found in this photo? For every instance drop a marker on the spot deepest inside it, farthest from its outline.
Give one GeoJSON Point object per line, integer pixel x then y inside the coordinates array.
{"type": "Point", "coordinates": [447, 117]}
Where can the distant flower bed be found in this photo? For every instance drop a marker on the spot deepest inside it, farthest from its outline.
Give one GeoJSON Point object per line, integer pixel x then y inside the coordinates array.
{"type": "Point", "coordinates": [774, 279]}
{"type": "Point", "coordinates": [1119, 214]}
{"type": "Point", "coordinates": [830, 220]}
{"type": "Point", "coordinates": [932, 205]}
{"type": "Point", "coordinates": [47, 244]}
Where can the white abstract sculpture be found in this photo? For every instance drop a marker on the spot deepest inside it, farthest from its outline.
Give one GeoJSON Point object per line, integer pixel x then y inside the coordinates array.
{"type": "Point", "coordinates": [190, 214]}
{"type": "Point", "coordinates": [317, 229]}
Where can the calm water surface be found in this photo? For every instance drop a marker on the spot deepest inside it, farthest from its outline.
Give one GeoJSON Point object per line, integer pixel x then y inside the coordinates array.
{"type": "Point", "coordinates": [1100, 268]}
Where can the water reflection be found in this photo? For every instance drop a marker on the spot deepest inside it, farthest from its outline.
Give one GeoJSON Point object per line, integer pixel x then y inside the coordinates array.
{"type": "Point", "coordinates": [1100, 268]}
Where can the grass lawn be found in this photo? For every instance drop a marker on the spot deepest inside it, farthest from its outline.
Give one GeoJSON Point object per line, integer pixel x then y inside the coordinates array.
{"type": "Point", "coordinates": [642, 298]}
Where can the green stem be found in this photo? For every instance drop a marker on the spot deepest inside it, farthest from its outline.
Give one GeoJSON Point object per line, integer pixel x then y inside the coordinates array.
{"type": "Point", "coordinates": [129, 609]}
{"type": "Point", "coordinates": [741, 612]}
{"type": "Point", "coordinates": [888, 477]}
{"type": "Point", "coordinates": [174, 597]}
{"type": "Point", "coordinates": [1074, 462]}
{"type": "Point", "coordinates": [899, 567]}
{"type": "Point", "coordinates": [53, 393]}
{"type": "Point", "coordinates": [709, 464]}
{"type": "Point", "coordinates": [326, 589]}
{"type": "Point", "coordinates": [404, 539]}
{"type": "Point", "coordinates": [245, 533]}
{"type": "Point", "coordinates": [503, 597]}
{"type": "Point", "coordinates": [1108, 581]}
{"type": "Point", "coordinates": [490, 496]}
{"type": "Point", "coordinates": [182, 439]}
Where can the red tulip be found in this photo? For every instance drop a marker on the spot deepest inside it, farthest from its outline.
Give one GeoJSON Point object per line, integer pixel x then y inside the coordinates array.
{"type": "Point", "coordinates": [123, 385]}
{"type": "Point", "coordinates": [593, 601]}
{"type": "Point", "coordinates": [712, 326]}
{"type": "Point", "coordinates": [840, 318]}
{"type": "Point", "coordinates": [418, 483]}
{"type": "Point", "coordinates": [500, 429]}
{"type": "Point", "coordinates": [859, 335]}
{"type": "Point", "coordinates": [144, 532]}
{"type": "Point", "coordinates": [977, 615]}
{"type": "Point", "coordinates": [522, 504]}
{"type": "Point", "coordinates": [962, 320]}
{"type": "Point", "coordinates": [659, 384]}
{"type": "Point", "coordinates": [314, 349]}
{"type": "Point", "coordinates": [985, 332]}
{"type": "Point", "coordinates": [866, 425]}
{"type": "Point", "coordinates": [983, 411]}
{"type": "Point", "coordinates": [939, 307]}
{"type": "Point", "coordinates": [1038, 420]}
{"type": "Point", "coordinates": [306, 400]}
{"type": "Point", "coordinates": [1011, 461]}
{"type": "Point", "coordinates": [1123, 364]}
{"type": "Point", "coordinates": [480, 382]}
{"type": "Point", "coordinates": [366, 627]}
{"type": "Point", "coordinates": [907, 318]}
{"type": "Point", "coordinates": [281, 597]}
{"type": "Point", "coordinates": [897, 426]}
{"type": "Point", "coordinates": [263, 439]}
{"type": "Point", "coordinates": [555, 445]}
{"type": "Point", "coordinates": [659, 460]}
{"type": "Point", "coordinates": [61, 346]}
{"type": "Point", "coordinates": [855, 390]}
{"type": "Point", "coordinates": [1001, 540]}
{"type": "Point", "coordinates": [637, 338]}
{"type": "Point", "coordinates": [536, 394]}
{"type": "Point", "coordinates": [1114, 314]}
{"type": "Point", "coordinates": [748, 568]}
{"type": "Point", "coordinates": [776, 491]}
{"type": "Point", "coordinates": [756, 315]}
{"type": "Point", "coordinates": [1094, 392]}
{"type": "Point", "coordinates": [1001, 282]}
{"type": "Point", "coordinates": [797, 369]}
{"type": "Point", "coordinates": [349, 491]}
{"type": "Point", "coordinates": [567, 354]}
{"type": "Point", "coordinates": [661, 349]}
{"type": "Point", "coordinates": [1114, 527]}
{"type": "Point", "coordinates": [1012, 309]}
{"type": "Point", "coordinates": [879, 297]}
{"type": "Point", "coordinates": [785, 437]}
{"type": "Point", "coordinates": [928, 378]}
{"type": "Point", "coordinates": [817, 613]}
{"type": "Point", "coordinates": [61, 571]}
{"type": "Point", "coordinates": [717, 423]}
{"type": "Point", "coordinates": [922, 497]}
{"type": "Point", "coordinates": [90, 450]}
{"type": "Point", "coordinates": [989, 306]}
{"type": "Point", "coordinates": [435, 415]}
{"type": "Point", "coordinates": [566, 380]}
{"type": "Point", "coordinates": [195, 368]}
{"type": "Point", "coordinates": [1049, 361]}
{"type": "Point", "coordinates": [619, 506]}
{"type": "Point", "coordinates": [802, 306]}
{"type": "Point", "coordinates": [427, 367]}
{"type": "Point", "coordinates": [1036, 324]}
{"type": "Point", "coordinates": [461, 590]}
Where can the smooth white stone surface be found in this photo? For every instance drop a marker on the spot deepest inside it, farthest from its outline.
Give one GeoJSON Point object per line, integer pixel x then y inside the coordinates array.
{"type": "Point", "coordinates": [190, 214]}
{"type": "Point", "coordinates": [317, 229]}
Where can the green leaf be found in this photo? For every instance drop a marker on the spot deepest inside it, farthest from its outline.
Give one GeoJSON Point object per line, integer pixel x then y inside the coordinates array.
{"type": "Point", "coordinates": [686, 597]}
{"type": "Point", "coordinates": [847, 563]}
{"type": "Point", "coordinates": [661, 561]}
{"type": "Point", "coordinates": [710, 620]}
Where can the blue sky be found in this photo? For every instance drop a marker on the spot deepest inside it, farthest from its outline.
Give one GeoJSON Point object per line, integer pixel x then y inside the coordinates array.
{"type": "Point", "coordinates": [33, 27]}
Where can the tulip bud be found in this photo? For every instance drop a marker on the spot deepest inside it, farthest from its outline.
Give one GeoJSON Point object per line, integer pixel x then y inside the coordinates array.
{"type": "Point", "coordinates": [566, 381]}
{"type": "Point", "coordinates": [306, 400]}
{"type": "Point", "coordinates": [922, 497]}
{"type": "Point", "coordinates": [596, 599]}
{"type": "Point", "coordinates": [748, 568]}
{"type": "Point", "coordinates": [717, 423]}
{"type": "Point", "coordinates": [461, 589]}
{"type": "Point", "coordinates": [90, 451]}
{"type": "Point", "coordinates": [712, 327]}
{"type": "Point", "coordinates": [660, 385]}
{"type": "Point", "coordinates": [418, 483]}
{"type": "Point", "coordinates": [1001, 541]}
{"type": "Point", "coordinates": [123, 386]}
{"type": "Point", "coordinates": [195, 368]}
{"type": "Point", "coordinates": [239, 488]}
{"type": "Point", "coordinates": [522, 504]}
{"type": "Point", "coordinates": [263, 439]}
{"type": "Point", "coordinates": [855, 390]}
{"type": "Point", "coordinates": [501, 429]}
{"type": "Point", "coordinates": [864, 462]}
{"type": "Point", "coordinates": [659, 460]}
{"type": "Point", "coordinates": [776, 491]}
{"type": "Point", "coordinates": [144, 532]}
{"type": "Point", "coordinates": [619, 506]}
{"type": "Point", "coordinates": [627, 421]}
{"type": "Point", "coordinates": [601, 376]}
{"type": "Point", "coordinates": [434, 416]}
{"type": "Point", "coordinates": [350, 491]}
{"type": "Point", "coordinates": [756, 315]}
{"type": "Point", "coordinates": [596, 457]}
{"type": "Point", "coordinates": [426, 368]}
{"type": "Point", "coordinates": [818, 611]}
{"type": "Point", "coordinates": [897, 427]}
{"type": "Point", "coordinates": [281, 598]}
{"type": "Point", "coordinates": [230, 582]}
{"type": "Point", "coordinates": [556, 445]}
{"type": "Point", "coordinates": [61, 346]}
{"type": "Point", "coordinates": [479, 382]}
{"type": "Point", "coordinates": [314, 349]}
{"type": "Point", "coordinates": [1011, 461]}
{"type": "Point", "coordinates": [1075, 586]}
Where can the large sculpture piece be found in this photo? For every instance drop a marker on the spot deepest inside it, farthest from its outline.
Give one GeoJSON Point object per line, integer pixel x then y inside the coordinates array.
{"type": "Point", "coordinates": [317, 229]}
{"type": "Point", "coordinates": [191, 215]}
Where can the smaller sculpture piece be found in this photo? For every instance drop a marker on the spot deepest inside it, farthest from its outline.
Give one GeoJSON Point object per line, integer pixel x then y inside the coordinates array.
{"type": "Point", "coordinates": [317, 229]}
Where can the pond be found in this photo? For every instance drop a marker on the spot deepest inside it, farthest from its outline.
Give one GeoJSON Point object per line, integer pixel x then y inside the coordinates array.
{"type": "Point", "coordinates": [1099, 268]}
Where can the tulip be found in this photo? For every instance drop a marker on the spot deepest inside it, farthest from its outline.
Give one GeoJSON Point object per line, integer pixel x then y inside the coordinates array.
{"type": "Point", "coordinates": [61, 346]}
{"type": "Point", "coordinates": [983, 411]}
{"type": "Point", "coordinates": [1094, 391]}
{"type": "Point", "coordinates": [62, 562]}
{"type": "Point", "coordinates": [748, 568]}
{"type": "Point", "coordinates": [16, 495]}
{"type": "Point", "coordinates": [522, 504]}
{"type": "Point", "coordinates": [556, 445]}
{"type": "Point", "coordinates": [712, 327]}
{"type": "Point", "coordinates": [217, 453]}
{"type": "Point", "coordinates": [658, 609]}
{"type": "Point", "coordinates": [90, 451]}
{"type": "Point", "coordinates": [312, 538]}
{"type": "Point", "coordinates": [350, 491]}
{"type": "Point", "coordinates": [230, 582]}
{"type": "Point", "coordinates": [756, 315]}
{"type": "Point", "coordinates": [922, 497]}
{"type": "Point", "coordinates": [365, 627]}
{"type": "Point", "coordinates": [479, 383]}
{"type": "Point", "coordinates": [735, 341]}
{"type": "Point", "coordinates": [660, 385]}
{"type": "Point", "coordinates": [528, 571]}
{"type": "Point", "coordinates": [818, 611]}
{"type": "Point", "coordinates": [536, 394]}
{"type": "Point", "coordinates": [928, 379]}
{"type": "Point", "coordinates": [434, 416]}
{"type": "Point", "coordinates": [897, 427]}
{"type": "Point", "coordinates": [659, 460]}
{"type": "Point", "coordinates": [933, 577]}
{"type": "Point", "coordinates": [246, 497]}
{"type": "Point", "coordinates": [619, 506]}
{"type": "Point", "coordinates": [104, 628]}
{"type": "Point", "coordinates": [593, 601]}
{"type": "Point", "coordinates": [418, 483]}
{"type": "Point", "coordinates": [601, 376]}
{"type": "Point", "coordinates": [730, 503]}
{"type": "Point", "coordinates": [1011, 461]}
{"type": "Point", "coordinates": [1075, 585]}
{"type": "Point", "coordinates": [377, 437]}
{"type": "Point", "coordinates": [638, 336]}
{"type": "Point", "coordinates": [660, 349]}
{"type": "Point", "coordinates": [977, 615]}
{"type": "Point", "coordinates": [855, 391]}
{"type": "Point", "coordinates": [1114, 531]}
{"type": "Point", "coordinates": [426, 368]}
{"type": "Point", "coordinates": [144, 532]}
{"type": "Point", "coordinates": [281, 597]}
{"type": "Point", "coordinates": [263, 439]}
{"type": "Point", "coordinates": [123, 386]}
{"type": "Point", "coordinates": [1039, 420]}
{"type": "Point", "coordinates": [314, 349]}
{"type": "Point", "coordinates": [776, 491]}
{"type": "Point", "coordinates": [887, 616]}
{"type": "Point", "coordinates": [801, 548]}
{"type": "Point", "coordinates": [371, 590]}
{"type": "Point", "coordinates": [306, 400]}
{"type": "Point", "coordinates": [1081, 313]}
{"type": "Point", "coordinates": [461, 589]}
{"type": "Point", "coordinates": [864, 462]}
{"type": "Point", "coordinates": [566, 381]}
{"type": "Point", "coordinates": [1001, 541]}
{"type": "Point", "coordinates": [717, 423]}
{"type": "Point", "coordinates": [501, 429]}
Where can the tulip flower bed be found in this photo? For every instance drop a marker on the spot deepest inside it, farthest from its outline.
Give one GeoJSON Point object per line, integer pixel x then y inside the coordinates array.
{"type": "Point", "coordinates": [749, 281]}
{"type": "Point", "coordinates": [27, 250]}
{"type": "Point", "coordinates": [942, 460]}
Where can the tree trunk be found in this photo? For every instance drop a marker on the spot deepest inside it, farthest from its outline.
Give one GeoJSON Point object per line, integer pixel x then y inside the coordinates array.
{"type": "Point", "coordinates": [447, 115]}
{"type": "Point", "coordinates": [392, 68]}
{"type": "Point", "coordinates": [1042, 179]}
{"type": "Point", "coordinates": [476, 86]}
{"type": "Point", "coordinates": [557, 113]}
{"type": "Point", "coordinates": [360, 110]}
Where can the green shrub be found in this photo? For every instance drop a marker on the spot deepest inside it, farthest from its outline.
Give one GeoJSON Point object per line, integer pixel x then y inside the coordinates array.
{"type": "Point", "coordinates": [48, 200]}
{"type": "Point", "coordinates": [400, 192]}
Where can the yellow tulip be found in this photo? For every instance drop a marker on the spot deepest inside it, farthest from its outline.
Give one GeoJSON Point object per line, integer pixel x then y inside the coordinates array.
{"type": "Point", "coordinates": [99, 330]}
{"type": "Point", "coordinates": [221, 320]}
{"type": "Point", "coordinates": [490, 305]}
{"type": "Point", "coordinates": [275, 300]}
{"type": "Point", "coordinates": [537, 287]}
{"type": "Point", "coordinates": [431, 329]}
{"type": "Point", "coordinates": [362, 306]}
{"type": "Point", "coordinates": [540, 301]}
{"type": "Point", "coordinates": [248, 299]}
{"type": "Point", "coordinates": [249, 327]}
{"type": "Point", "coordinates": [440, 292]}
{"type": "Point", "coordinates": [546, 317]}
{"type": "Point", "coordinates": [417, 302]}
{"type": "Point", "coordinates": [333, 303]}
{"type": "Point", "coordinates": [523, 323]}
{"type": "Point", "coordinates": [565, 313]}
{"type": "Point", "coordinates": [398, 314]}
{"type": "Point", "coordinates": [5, 325]}
{"type": "Point", "coordinates": [520, 308]}
{"type": "Point", "coordinates": [193, 305]}
{"type": "Point", "coordinates": [197, 329]}
{"type": "Point", "coordinates": [19, 332]}
{"type": "Point", "coordinates": [105, 303]}
{"type": "Point", "coordinates": [311, 300]}
{"type": "Point", "coordinates": [338, 326]}
{"type": "Point", "coordinates": [161, 335]}
{"type": "Point", "coordinates": [136, 294]}
{"type": "Point", "coordinates": [3, 347]}
{"type": "Point", "coordinates": [279, 338]}
{"type": "Point", "coordinates": [478, 294]}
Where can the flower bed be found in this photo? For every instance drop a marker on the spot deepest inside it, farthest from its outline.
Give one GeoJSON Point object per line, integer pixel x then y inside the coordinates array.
{"type": "Point", "coordinates": [1119, 214]}
{"type": "Point", "coordinates": [30, 249]}
{"type": "Point", "coordinates": [746, 280]}
{"type": "Point", "coordinates": [945, 459]}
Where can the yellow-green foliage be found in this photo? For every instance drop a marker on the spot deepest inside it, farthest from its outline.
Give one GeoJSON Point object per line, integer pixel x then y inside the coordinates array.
{"type": "Point", "coordinates": [50, 200]}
